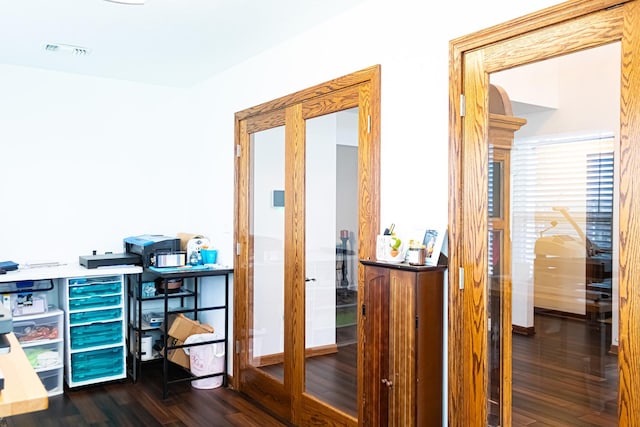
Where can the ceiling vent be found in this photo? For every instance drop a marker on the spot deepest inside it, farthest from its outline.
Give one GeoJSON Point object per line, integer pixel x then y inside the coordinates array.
{"type": "Point", "coordinates": [126, 1]}
{"type": "Point", "coordinates": [68, 49]}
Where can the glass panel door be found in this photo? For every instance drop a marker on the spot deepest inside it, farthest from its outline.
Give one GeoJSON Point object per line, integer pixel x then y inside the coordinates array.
{"type": "Point", "coordinates": [552, 240]}
{"type": "Point", "coordinates": [331, 211]}
{"type": "Point", "coordinates": [266, 284]}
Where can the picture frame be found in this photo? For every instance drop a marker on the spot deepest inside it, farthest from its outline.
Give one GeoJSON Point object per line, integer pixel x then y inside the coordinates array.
{"type": "Point", "coordinates": [435, 242]}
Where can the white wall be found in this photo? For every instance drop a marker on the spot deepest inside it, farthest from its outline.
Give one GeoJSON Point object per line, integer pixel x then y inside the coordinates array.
{"type": "Point", "coordinates": [87, 161]}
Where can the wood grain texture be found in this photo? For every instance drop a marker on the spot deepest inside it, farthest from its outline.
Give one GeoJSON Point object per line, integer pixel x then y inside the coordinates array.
{"type": "Point", "coordinates": [316, 412]}
{"type": "Point", "coordinates": [264, 121]}
{"type": "Point", "coordinates": [369, 74]}
{"type": "Point", "coordinates": [429, 359]}
{"type": "Point", "coordinates": [455, 330]}
{"type": "Point", "coordinates": [242, 237]}
{"type": "Point", "coordinates": [368, 206]}
{"type": "Point", "coordinates": [629, 272]}
{"type": "Point", "coordinates": [569, 27]}
{"type": "Point", "coordinates": [376, 339]}
{"type": "Point", "coordinates": [265, 390]}
{"type": "Point", "coordinates": [331, 103]}
{"type": "Point", "coordinates": [560, 39]}
{"type": "Point", "coordinates": [403, 322]}
{"type": "Point", "coordinates": [294, 247]}
{"type": "Point", "coordinates": [23, 391]}
{"type": "Point", "coordinates": [402, 351]}
{"type": "Point", "coordinates": [475, 228]}
{"type": "Point", "coordinates": [566, 11]}
{"type": "Point", "coordinates": [361, 89]}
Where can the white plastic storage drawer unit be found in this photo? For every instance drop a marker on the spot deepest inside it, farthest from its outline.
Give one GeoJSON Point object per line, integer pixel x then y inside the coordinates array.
{"type": "Point", "coordinates": [94, 330]}
{"type": "Point", "coordinates": [40, 336]}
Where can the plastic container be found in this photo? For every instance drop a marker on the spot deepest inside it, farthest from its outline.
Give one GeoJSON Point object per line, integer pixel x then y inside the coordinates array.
{"type": "Point", "coordinates": [209, 256]}
{"type": "Point", "coordinates": [38, 328]}
{"type": "Point", "coordinates": [206, 359]}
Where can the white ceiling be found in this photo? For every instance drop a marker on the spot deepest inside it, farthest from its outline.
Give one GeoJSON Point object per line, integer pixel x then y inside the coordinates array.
{"type": "Point", "coordinates": [167, 42]}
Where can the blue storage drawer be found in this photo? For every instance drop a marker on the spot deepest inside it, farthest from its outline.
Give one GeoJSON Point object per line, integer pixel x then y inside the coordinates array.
{"type": "Point", "coordinates": [92, 280]}
{"type": "Point", "coordinates": [94, 302]}
{"type": "Point", "coordinates": [95, 316]}
{"type": "Point", "coordinates": [90, 365]}
{"type": "Point", "coordinates": [96, 334]}
{"type": "Point", "coordinates": [95, 289]}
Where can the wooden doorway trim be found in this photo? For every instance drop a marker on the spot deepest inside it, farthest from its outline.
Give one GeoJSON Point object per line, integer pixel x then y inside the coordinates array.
{"type": "Point", "coordinates": [529, 39]}
{"type": "Point", "coordinates": [361, 88]}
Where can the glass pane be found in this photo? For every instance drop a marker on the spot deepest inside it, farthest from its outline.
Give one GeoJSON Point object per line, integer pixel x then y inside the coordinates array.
{"type": "Point", "coordinates": [331, 244]}
{"type": "Point", "coordinates": [267, 234]}
{"type": "Point", "coordinates": [552, 271]}
{"type": "Point", "coordinates": [495, 179]}
{"type": "Point", "coordinates": [494, 304]}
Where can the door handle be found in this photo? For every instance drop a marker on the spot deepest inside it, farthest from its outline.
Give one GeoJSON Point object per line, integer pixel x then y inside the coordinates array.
{"type": "Point", "coordinates": [313, 279]}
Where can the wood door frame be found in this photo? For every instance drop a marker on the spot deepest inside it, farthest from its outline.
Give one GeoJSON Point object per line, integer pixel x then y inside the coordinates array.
{"type": "Point", "coordinates": [529, 39]}
{"type": "Point", "coordinates": [361, 89]}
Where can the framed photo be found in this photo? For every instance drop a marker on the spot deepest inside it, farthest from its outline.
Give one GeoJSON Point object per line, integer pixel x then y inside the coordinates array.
{"type": "Point", "coordinates": [435, 241]}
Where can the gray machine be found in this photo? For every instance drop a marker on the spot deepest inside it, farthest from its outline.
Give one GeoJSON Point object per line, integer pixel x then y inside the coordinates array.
{"type": "Point", "coordinates": [149, 246]}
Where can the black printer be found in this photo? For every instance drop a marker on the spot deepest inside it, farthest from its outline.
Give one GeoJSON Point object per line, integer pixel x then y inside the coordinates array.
{"type": "Point", "coordinates": [148, 245]}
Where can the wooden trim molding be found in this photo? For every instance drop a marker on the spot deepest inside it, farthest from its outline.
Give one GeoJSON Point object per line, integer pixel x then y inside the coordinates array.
{"type": "Point", "coordinates": [571, 26]}
{"type": "Point", "coordinates": [360, 89]}
{"type": "Point", "coordinates": [524, 330]}
{"type": "Point", "coordinates": [275, 358]}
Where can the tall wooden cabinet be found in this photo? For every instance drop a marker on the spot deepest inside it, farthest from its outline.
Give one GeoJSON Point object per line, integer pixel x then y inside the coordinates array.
{"type": "Point", "coordinates": [403, 328]}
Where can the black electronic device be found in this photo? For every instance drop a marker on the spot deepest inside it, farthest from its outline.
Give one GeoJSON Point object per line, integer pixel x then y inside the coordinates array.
{"type": "Point", "coordinates": [148, 245]}
{"type": "Point", "coordinates": [95, 261]}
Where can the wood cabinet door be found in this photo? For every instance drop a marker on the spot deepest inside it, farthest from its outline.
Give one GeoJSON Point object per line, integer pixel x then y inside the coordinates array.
{"type": "Point", "coordinates": [428, 344]}
{"type": "Point", "coordinates": [376, 346]}
{"type": "Point", "coordinates": [402, 354]}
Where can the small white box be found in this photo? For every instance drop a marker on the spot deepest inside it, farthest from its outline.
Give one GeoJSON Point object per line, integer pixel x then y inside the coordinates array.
{"type": "Point", "coordinates": [30, 305]}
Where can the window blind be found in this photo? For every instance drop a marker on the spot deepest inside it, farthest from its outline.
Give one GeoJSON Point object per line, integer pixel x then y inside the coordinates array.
{"type": "Point", "coordinates": [551, 174]}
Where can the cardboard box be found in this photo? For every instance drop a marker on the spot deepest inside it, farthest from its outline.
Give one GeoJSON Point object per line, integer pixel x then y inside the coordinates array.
{"type": "Point", "coordinates": [178, 355]}
{"type": "Point", "coordinates": [181, 328]}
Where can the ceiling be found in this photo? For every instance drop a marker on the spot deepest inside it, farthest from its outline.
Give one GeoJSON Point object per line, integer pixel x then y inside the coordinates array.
{"type": "Point", "coordinates": [165, 42]}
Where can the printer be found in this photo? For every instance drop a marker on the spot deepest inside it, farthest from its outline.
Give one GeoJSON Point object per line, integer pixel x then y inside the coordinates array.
{"type": "Point", "coordinates": [148, 245]}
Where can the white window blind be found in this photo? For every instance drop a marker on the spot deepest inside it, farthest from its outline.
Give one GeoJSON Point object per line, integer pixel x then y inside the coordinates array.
{"type": "Point", "coordinates": [574, 173]}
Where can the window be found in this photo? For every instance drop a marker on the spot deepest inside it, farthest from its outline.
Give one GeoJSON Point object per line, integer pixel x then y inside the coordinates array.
{"type": "Point", "coordinates": [561, 186]}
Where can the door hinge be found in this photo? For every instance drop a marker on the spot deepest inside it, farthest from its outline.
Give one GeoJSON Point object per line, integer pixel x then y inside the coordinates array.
{"type": "Point", "coordinates": [238, 248]}
{"type": "Point", "coordinates": [416, 322]}
{"type": "Point", "coordinates": [369, 124]}
{"type": "Point", "coordinates": [461, 277]}
{"type": "Point", "coordinates": [364, 310]}
{"type": "Point", "coordinates": [462, 105]}
{"type": "Point", "coordinates": [238, 150]}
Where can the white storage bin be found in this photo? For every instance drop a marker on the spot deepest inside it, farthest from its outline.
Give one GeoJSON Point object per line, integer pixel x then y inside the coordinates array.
{"type": "Point", "coordinates": [52, 381]}
{"type": "Point", "coordinates": [38, 327]}
{"type": "Point", "coordinates": [206, 359]}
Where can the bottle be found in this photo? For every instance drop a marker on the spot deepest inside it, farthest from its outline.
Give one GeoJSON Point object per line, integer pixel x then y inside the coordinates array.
{"type": "Point", "coordinates": [193, 258]}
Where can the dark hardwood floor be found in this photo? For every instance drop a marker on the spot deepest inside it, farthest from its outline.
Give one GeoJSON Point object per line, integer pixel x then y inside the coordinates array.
{"type": "Point", "coordinates": [141, 404]}
{"type": "Point", "coordinates": [564, 375]}
{"type": "Point", "coordinates": [331, 378]}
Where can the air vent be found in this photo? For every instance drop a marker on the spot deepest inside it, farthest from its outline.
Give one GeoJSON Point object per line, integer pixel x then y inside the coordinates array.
{"type": "Point", "coordinates": [68, 49]}
{"type": "Point", "coordinates": [126, 1]}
